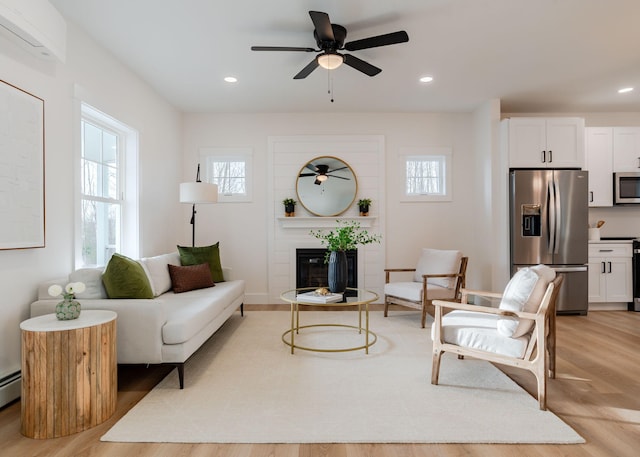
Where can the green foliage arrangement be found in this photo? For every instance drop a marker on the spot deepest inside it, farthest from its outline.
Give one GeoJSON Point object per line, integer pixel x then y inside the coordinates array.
{"type": "Point", "coordinates": [347, 236]}
{"type": "Point", "coordinates": [289, 201]}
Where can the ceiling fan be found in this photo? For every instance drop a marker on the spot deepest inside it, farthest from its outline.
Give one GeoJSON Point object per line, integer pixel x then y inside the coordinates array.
{"type": "Point", "coordinates": [330, 39]}
{"type": "Point", "coordinates": [322, 173]}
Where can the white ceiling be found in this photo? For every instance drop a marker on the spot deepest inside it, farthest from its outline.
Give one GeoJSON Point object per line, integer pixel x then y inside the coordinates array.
{"type": "Point", "coordinates": [534, 55]}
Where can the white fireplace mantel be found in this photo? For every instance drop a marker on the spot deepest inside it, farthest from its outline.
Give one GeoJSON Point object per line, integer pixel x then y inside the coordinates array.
{"type": "Point", "coordinates": [316, 222]}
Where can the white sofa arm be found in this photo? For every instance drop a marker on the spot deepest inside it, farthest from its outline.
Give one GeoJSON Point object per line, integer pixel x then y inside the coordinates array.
{"type": "Point", "coordinates": [139, 325]}
{"type": "Point", "coordinates": [227, 274]}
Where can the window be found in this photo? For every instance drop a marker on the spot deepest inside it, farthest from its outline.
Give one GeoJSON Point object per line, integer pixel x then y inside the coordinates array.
{"type": "Point", "coordinates": [230, 169]}
{"type": "Point", "coordinates": [427, 175]}
{"type": "Point", "coordinates": [108, 197]}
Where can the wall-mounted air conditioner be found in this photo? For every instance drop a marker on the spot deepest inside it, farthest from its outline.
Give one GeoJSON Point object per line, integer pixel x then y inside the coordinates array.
{"type": "Point", "coordinates": [36, 25]}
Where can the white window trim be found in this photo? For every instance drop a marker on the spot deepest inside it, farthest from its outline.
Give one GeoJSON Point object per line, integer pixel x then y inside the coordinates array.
{"type": "Point", "coordinates": [424, 152]}
{"type": "Point", "coordinates": [230, 154]}
{"type": "Point", "coordinates": [130, 229]}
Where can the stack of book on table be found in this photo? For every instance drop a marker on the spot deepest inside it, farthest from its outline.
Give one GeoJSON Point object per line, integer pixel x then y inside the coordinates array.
{"type": "Point", "coordinates": [314, 297]}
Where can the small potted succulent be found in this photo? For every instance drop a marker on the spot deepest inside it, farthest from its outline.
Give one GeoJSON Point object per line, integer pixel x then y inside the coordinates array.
{"type": "Point", "coordinates": [363, 206]}
{"type": "Point", "coordinates": [289, 207]}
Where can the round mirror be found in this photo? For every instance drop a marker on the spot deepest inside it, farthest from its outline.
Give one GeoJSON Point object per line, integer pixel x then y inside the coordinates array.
{"type": "Point", "coordinates": [326, 186]}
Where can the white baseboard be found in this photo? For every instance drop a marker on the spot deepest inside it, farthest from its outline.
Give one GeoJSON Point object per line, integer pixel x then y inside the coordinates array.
{"type": "Point", "coordinates": [10, 388]}
{"type": "Point", "coordinates": [607, 307]}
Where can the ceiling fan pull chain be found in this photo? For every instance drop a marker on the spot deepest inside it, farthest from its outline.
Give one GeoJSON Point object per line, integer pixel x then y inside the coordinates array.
{"type": "Point", "coordinates": [330, 84]}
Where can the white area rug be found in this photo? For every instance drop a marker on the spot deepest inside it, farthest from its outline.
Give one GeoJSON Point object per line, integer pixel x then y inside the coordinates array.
{"type": "Point", "coordinates": [244, 386]}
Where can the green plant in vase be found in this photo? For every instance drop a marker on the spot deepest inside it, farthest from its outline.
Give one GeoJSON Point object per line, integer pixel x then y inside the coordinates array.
{"type": "Point", "coordinates": [348, 235]}
{"type": "Point", "coordinates": [289, 207]}
{"type": "Point", "coordinates": [363, 206]}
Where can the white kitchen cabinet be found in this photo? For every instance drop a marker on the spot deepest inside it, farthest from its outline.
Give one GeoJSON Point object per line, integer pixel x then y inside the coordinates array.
{"type": "Point", "coordinates": [610, 273]}
{"type": "Point", "coordinates": [626, 149]}
{"type": "Point", "coordinates": [599, 162]}
{"type": "Point", "coordinates": [537, 142]}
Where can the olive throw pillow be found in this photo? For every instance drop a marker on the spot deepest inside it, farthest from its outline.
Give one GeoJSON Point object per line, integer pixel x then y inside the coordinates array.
{"type": "Point", "coordinates": [125, 278]}
{"type": "Point", "coordinates": [191, 277]}
{"type": "Point", "coordinates": [203, 254]}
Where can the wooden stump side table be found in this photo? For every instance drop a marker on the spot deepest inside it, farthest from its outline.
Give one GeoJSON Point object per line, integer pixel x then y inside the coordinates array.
{"type": "Point", "coordinates": [69, 373]}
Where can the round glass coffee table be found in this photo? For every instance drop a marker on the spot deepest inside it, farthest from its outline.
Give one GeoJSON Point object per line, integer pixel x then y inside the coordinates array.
{"type": "Point", "coordinates": [359, 298]}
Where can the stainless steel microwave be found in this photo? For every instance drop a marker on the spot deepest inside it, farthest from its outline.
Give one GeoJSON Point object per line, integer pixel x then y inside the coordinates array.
{"type": "Point", "coordinates": [626, 188]}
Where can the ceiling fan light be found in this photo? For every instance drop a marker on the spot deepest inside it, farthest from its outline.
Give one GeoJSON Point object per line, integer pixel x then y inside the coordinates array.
{"type": "Point", "coordinates": [322, 178]}
{"type": "Point", "coordinates": [330, 61]}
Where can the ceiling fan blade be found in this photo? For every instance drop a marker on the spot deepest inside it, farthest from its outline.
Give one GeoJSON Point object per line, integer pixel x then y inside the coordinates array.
{"type": "Point", "coordinates": [303, 175]}
{"type": "Point", "coordinates": [311, 167]}
{"type": "Point", "coordinates": [336, 169]}
{"type": "Point", "coordinates": [361, 65]}
{"type": "Point", "coordinates": [376, 41]}
{"type": "Point", "coordinates": [306, 71]}
{"type": "Point", "coordinates": [281, 48]}
{"type": "Point", "coordinates": [340, 177]}
{"type": "Point", "coordinates": [323, 25]}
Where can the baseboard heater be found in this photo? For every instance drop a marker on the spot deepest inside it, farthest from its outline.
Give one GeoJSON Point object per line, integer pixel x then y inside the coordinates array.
{"type": "Point", "coordinates": [10, 388]}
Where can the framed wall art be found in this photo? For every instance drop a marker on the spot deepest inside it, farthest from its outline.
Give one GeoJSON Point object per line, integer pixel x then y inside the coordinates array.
{"type": "Point", "coordinates": [22, 216]}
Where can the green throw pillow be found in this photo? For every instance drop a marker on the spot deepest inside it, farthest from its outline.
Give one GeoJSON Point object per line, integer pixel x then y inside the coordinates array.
{"type": "Point", "coordinates": [203, 254]}
{"type": "Point", "coordinates": [125, 278]}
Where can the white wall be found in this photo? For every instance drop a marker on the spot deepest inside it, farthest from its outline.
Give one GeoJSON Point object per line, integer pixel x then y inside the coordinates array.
{"type": "Point", "coordinates": [117, 91]}
{"type": "Point", "coordinates": [460, 224]}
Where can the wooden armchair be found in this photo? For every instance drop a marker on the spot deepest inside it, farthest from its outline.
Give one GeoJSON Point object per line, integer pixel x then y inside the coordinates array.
{"type": "Point", "coordinates": [472, 330]}
{"type": "Point", "coordinates": [438, 275]}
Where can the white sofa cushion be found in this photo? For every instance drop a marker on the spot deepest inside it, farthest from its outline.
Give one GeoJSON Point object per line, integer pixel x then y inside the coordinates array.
{"type": "Point", "coordinates": [479, 331]}
{"type": "Point", "coordinates": [436, 261]}
{"type": "Point", "coordinates": [413, 291]}
{"type": "Point", "coordinates": [189, 311]}
{"type": "Point", "coordinates": [92, 279]}
{"type": "Point", "coordinates": [158, 271]}
{"type": "Point", "coordinates": [524, 292]}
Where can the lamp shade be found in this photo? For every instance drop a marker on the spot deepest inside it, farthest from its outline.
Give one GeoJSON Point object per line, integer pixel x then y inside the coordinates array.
{"type": "Point", "coordinates": [198, 192]}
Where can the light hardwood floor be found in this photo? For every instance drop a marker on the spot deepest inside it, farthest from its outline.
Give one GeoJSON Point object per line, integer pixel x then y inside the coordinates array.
{"type": "Point", "coordinates": [597, 392]}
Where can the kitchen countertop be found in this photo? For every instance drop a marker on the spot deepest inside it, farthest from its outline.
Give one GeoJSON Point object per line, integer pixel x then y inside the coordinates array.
{"type": "Point", "coordinates": [612, 240]}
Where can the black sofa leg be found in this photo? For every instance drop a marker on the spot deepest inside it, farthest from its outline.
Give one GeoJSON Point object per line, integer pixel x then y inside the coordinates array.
{"type": "Point", "coordinates": [180, 367]}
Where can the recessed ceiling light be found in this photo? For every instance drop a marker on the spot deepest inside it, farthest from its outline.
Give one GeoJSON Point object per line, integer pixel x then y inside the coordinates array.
{"type": "Point", "coordinates": [231, 79]}
{"type": "Point", "coordinates": [625, 90]}
{"type": "Point", "coordinates": [426, 79]}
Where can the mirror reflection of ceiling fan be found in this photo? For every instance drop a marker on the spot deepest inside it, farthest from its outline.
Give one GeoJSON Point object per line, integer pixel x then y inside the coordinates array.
{"type": "Point", "coordinates": [322, 173]}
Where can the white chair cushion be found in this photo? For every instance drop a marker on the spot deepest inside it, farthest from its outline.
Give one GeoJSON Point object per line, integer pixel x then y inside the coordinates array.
{"type": "Point", "coordinates": [158, 272]}
{"type": "Point", "coordinates": [436, 261]}
{"type": "Point", "coordinates": [524, 292]}
{"type": "Point", "coordinates": [479, 331]}
{"type": "Point", "coordinates": [413, 291]}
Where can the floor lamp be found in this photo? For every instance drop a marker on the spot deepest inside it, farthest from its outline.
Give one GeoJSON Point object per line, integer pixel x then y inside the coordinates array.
{"type": "Point", "coordinates": [197, 192]}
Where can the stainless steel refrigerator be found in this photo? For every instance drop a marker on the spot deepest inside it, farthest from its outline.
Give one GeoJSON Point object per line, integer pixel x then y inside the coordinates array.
{"type": "Point", "coordinates": [549, 224]}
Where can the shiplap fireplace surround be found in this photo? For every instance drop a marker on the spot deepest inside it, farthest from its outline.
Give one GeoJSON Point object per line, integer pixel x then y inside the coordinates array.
{"type": "Point", "coordinates": [365, 154]}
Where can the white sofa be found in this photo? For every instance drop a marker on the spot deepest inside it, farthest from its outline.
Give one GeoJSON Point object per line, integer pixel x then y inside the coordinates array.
{"type": "Point", "coordinates": [166, 329]}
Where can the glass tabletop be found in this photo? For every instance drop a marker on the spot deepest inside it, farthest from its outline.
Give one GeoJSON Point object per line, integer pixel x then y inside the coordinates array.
{"type": "Point", "coordinates": [308, 296]}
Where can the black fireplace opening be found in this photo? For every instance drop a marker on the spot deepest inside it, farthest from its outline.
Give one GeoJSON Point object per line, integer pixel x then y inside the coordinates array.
{"type": "Point", "coordinates": [311, 271]}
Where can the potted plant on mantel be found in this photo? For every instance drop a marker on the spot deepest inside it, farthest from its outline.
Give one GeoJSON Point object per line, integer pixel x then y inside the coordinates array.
{"type": "Point", "coordinates": [363, 206]}
{"type": "Point", "coordinates": [347, 236]}
{"type": "Point", "coordinates": [289, 207]}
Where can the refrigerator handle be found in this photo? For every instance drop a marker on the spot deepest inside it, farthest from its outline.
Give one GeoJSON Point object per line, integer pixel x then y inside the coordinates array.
{"type": "Point", "coordinates": [558, 217]}
{"type": "Point", "coordinates": [551, 212]}
{"type": "Point", "coordinates": [570, 269]}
